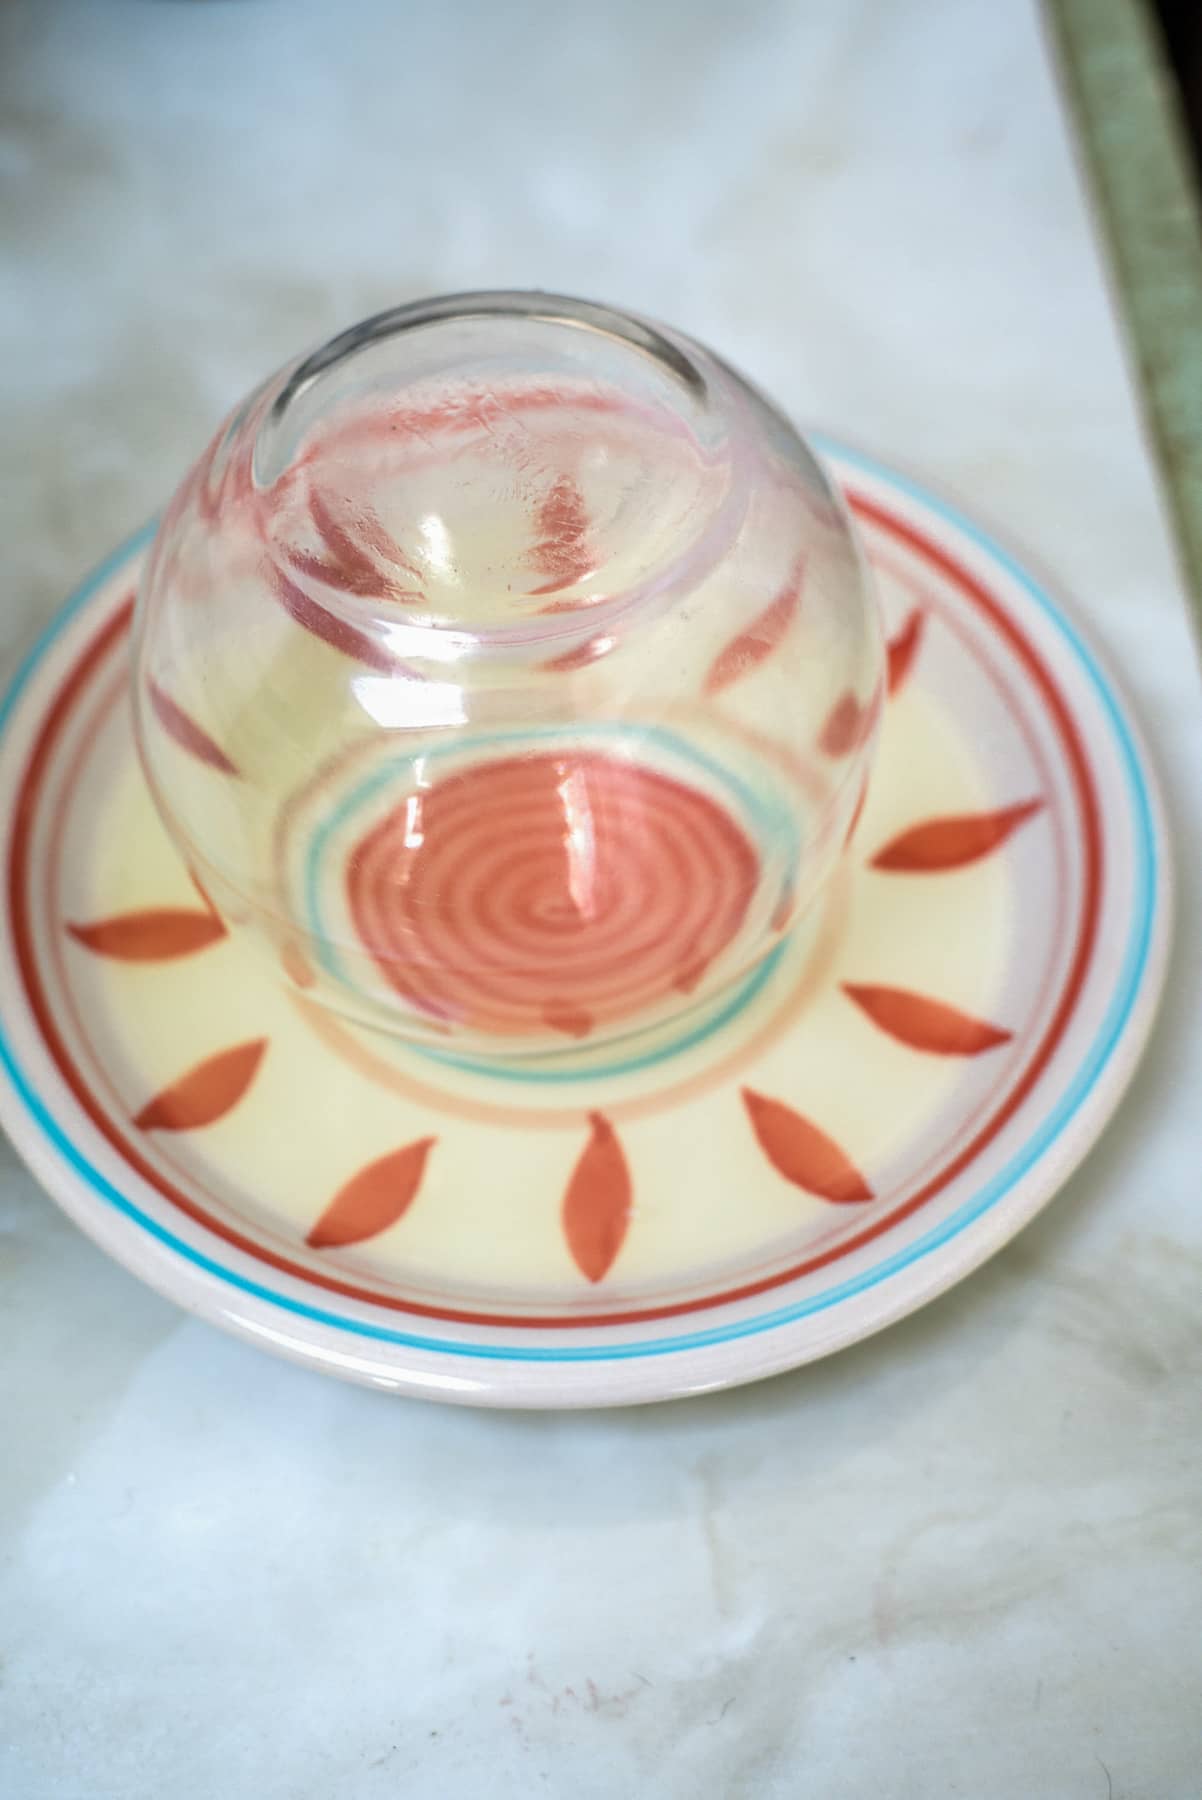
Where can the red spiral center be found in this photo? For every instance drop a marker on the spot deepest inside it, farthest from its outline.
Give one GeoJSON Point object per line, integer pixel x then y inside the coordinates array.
{"type": "Point", "coordinates": [549, 890]}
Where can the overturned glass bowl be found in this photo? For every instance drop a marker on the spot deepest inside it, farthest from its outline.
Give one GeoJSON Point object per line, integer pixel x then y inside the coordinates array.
{"type": "Point", "coordinates": [509, 667]}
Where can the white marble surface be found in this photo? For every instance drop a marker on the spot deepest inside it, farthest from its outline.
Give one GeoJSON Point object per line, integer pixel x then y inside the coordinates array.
{"type": "Point", "coordinates": [963, 1559]}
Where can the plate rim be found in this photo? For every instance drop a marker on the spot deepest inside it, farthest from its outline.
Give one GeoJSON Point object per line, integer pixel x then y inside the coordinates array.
{"type": "Point", "coordinates": [738, 1350]}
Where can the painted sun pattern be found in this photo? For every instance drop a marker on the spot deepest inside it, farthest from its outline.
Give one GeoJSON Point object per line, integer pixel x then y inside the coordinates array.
{"type": "Point", "coordinates": [567, 973]}
{"type": "Point", "coordinates": [920, 1059]}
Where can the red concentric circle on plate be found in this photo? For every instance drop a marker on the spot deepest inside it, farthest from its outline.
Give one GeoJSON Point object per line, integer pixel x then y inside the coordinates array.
{"type": "Point", "coordinates": [550, 890]}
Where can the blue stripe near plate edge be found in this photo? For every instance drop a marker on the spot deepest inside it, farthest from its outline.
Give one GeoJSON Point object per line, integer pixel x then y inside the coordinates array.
{"type": "Point", "coordinates": [1130, 981]}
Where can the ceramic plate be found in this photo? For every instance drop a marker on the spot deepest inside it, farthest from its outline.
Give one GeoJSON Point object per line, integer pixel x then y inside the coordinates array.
{"type": "Point", "coordinates": [890, 1097]}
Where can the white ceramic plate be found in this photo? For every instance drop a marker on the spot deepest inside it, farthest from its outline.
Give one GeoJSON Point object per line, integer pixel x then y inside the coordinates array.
{"type": "Point", "coordinates": [886, 1102]}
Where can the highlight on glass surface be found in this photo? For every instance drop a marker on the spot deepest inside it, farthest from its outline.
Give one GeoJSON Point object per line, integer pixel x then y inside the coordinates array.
{"type": "Point", "coordinates": [509, 667]}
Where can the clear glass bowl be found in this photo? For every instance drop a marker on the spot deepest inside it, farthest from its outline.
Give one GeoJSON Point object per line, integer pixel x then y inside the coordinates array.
{"type": "Point", "coordinates": [508, 666]}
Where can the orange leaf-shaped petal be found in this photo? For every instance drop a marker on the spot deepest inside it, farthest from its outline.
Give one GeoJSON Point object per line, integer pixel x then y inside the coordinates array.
{"type": "Point", "coordinates": [596, 1206]}
{"type": "Point", "coordinates": [925, 1024]}
{"type": "Point", "coordinates": [761, 638]}
{"type": "Point", "coordinates": [319, 568]}
{"type": "Point", "coordinates": [346, 565]}
{"type": "Point", "coordinates": [331, 629]}
{"type": "Point", "coordinates": [573, 1021]}
{"type": "Point", "coordinates": [848, 724]}
{"type": "Point", "coordinates": [384, 544]}
{"type": "Point", "coordinates": [803, 1154]}
{"type": "Point", "coordinates": [581, 656]}
{"type": "Point", "coordinates": [206, 1093]}
{"type": "Point", "coordinates": [187, 733]}
{"type": "Point", "coordinates": [373, 1199]}
{"type": "Point", "coordinates": [842, 729]}
{"type": "Point", "coordinates": [903, 648]}
{"type": "Point", "coordinates": [562, 552]}
{"type": "Point", "coordinates": [952, 842]}
{"type": "Point", "coordinates": [155, 935]}
{"type": "Point", "coordinates": [691, 973]}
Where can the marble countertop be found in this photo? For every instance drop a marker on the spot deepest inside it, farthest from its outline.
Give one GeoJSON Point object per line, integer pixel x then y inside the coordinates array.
{"type": "Point", "coordinates": [964, 1558]}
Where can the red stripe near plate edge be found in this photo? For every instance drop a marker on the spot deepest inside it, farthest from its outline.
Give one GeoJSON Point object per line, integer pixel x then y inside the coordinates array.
{"type": "Point", "coordinates": [916, 541]}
